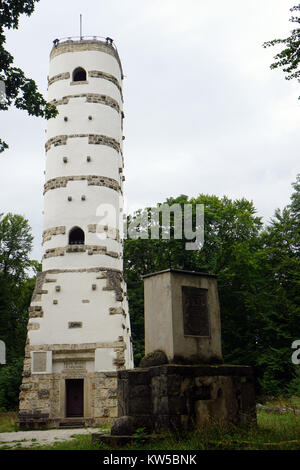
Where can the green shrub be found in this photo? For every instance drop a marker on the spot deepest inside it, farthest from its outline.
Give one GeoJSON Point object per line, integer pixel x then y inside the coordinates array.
{"type": "Point", "coordinates": [10, 381]}
{"type": "Point", "coordinates": [294, 386]}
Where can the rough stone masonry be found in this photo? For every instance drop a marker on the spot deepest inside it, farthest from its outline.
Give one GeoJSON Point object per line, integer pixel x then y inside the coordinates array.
{"type": "Point", "coordinates": [182, 382]}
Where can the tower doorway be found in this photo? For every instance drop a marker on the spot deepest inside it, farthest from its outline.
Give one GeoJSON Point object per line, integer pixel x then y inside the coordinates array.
{"type": "Point", "coordinates": [74, 398]}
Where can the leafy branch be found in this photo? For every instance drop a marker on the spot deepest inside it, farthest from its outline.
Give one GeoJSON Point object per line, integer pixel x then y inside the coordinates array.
{"type": "Point", "coordinates": [20, 91]}
{"type": "Point", "coordinates": [289, 58]}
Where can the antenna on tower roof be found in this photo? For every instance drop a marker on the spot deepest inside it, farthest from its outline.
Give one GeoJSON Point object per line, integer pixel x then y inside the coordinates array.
{"type": "Point", "coordinates": [80, 27]}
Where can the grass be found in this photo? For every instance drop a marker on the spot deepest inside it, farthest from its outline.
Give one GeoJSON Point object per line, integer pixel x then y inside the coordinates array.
{"type": "Point", "coordinates": [272, 432]}
{"type": "Point", "coordinates": [79, 442]}
{"type": "Point", "coordinates": [8, 421]}
{"type": "Point", "coordinates": [283, 402]}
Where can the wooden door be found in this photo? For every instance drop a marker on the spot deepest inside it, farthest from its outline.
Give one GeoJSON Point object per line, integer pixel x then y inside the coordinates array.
{"type": "Point", "coordinates": [74, 396]}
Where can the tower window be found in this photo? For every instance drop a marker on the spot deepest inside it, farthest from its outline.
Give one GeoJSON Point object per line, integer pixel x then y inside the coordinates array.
{"type": "Point", "coordinates": [79, 75]}
{"type": "Point", "coordinates": [76, 236]}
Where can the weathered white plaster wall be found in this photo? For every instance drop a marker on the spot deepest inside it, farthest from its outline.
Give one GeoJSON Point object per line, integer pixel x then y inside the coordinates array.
{"type": "Point", "coordinates": [89, 60]}
{"type": "Point", "coordinates": [76, 300]}
{"type": "Point", "coordinates": [97, 324]}
{"type": "Point", "coordinates": [103, 158]}
{"type": "Point", "coordinates": [104, 359]}
{"type": "Point", "coordinates": [105, 120]}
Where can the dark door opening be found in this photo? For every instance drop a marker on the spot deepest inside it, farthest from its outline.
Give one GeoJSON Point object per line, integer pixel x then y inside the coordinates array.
{"type": "Point", "coordinates": [76, 236]}
{"type": "Point", "coordinates": [74, 397]}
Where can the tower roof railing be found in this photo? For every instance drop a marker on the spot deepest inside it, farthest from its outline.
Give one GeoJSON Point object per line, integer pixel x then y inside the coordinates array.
{"type": "Point", "coordinates": [108, 40]}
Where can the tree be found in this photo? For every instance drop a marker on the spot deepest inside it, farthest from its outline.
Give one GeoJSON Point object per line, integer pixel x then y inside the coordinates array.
{"type": "Point", "coordinates": [258, 281]}
{"type": "Point", "coordinates": [279, 301]}
{"type": "Point", "coordinates": [10, 381]}
{"type": "Point", "coordinates": [20, 91]}
{"type": "Point", "coordinates": [289, 58]}
{"type": "Point", "coordinates": [15, 283]}
{"type": "Point", "coordinates": [231, 234]}
{"type": "Point", "coordinates": [16, 287]}
{"type": "Point", "coordinates": [15, 246]}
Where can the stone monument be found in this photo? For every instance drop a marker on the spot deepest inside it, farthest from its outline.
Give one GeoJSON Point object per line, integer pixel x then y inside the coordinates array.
{"type": "Point", "coordinates": [182, 316]}
{"type": "Point", "coordinates": [182, 382]}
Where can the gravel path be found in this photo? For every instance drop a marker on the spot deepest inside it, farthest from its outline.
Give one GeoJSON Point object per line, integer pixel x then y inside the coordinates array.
{"type": "Point", "coordinates": [33, 438]}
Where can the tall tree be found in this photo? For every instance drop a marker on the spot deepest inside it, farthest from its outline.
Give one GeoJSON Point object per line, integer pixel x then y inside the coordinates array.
{"type": "Point", "coordinates": [15, 284]}
{"type": "Point", "coordinates": [16, 288]}
{"type": "Point", "coordinates": [20, 91]}
{"type": "Point", "coordinates": [279, 301]}
{"type": "Point", "coordinates": [231, 233]}
{"type": "Point", "coordinates": [258, 280]}
{"type": "Point", "coordinates": [289, 58]}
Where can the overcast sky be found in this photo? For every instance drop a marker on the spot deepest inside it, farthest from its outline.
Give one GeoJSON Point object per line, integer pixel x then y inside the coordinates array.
{"type": "Point", "coordinates": [204, 112]}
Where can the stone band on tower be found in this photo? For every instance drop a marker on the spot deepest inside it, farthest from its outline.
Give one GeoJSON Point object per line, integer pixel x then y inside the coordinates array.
{"type": "Point", "coordinates": [79, 328]}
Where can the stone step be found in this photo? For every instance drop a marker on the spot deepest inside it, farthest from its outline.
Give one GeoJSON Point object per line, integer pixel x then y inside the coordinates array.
{"type": "Point", "coordinates": [71, 424]}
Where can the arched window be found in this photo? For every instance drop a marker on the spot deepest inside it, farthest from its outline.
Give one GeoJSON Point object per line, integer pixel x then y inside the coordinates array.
{"type": "Point", "coordinates": [79, 75]}
{"type": "Point", "coordinates": [76, 236]}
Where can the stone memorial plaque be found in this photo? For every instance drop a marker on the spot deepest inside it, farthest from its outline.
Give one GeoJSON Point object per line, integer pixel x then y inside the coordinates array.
{"type": "Point", "coordinates": [195, 311]}
{"type": "Point", "coordinates": [75, 365]}
{"type": "Point", "coordinates": [39, 361]}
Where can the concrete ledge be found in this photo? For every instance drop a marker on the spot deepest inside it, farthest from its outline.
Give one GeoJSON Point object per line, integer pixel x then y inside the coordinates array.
{"type": "Point", "coordinates": [189, 371]}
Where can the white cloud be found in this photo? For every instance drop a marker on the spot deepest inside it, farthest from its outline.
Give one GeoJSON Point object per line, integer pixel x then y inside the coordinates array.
{"type": "Point", "coordinates": [204, 112]}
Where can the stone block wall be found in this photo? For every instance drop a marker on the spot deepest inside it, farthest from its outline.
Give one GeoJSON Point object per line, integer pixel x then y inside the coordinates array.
{"type": "Point", "coordinates": [42, 399]}
{"type": "Point", "coordinates": [185, 397]}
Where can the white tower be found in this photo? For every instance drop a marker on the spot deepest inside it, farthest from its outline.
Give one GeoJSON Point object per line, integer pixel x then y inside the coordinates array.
{"type": "Point", "coordinates": [79, 328]}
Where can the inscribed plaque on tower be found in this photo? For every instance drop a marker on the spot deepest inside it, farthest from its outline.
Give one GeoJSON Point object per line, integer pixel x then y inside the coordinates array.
{"type": "Point", "coordinates": [195, 311]}
{"type": "Point", "coordinates": [39, 361]}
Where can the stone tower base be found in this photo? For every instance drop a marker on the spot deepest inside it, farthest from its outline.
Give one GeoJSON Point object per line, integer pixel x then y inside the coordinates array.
{"type": "Point", "coordinates": [43, 403]}
{"type": "Point", "coordinates": [183, 397]}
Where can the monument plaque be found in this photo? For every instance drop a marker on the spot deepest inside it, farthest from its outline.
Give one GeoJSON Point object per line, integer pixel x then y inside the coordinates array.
{"type": "Point", "coordinates": [195, 311]}
{"type": "Point", "coordinates": [75, 365]}
{"type": "Point", "coordinates": [39, 361]}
